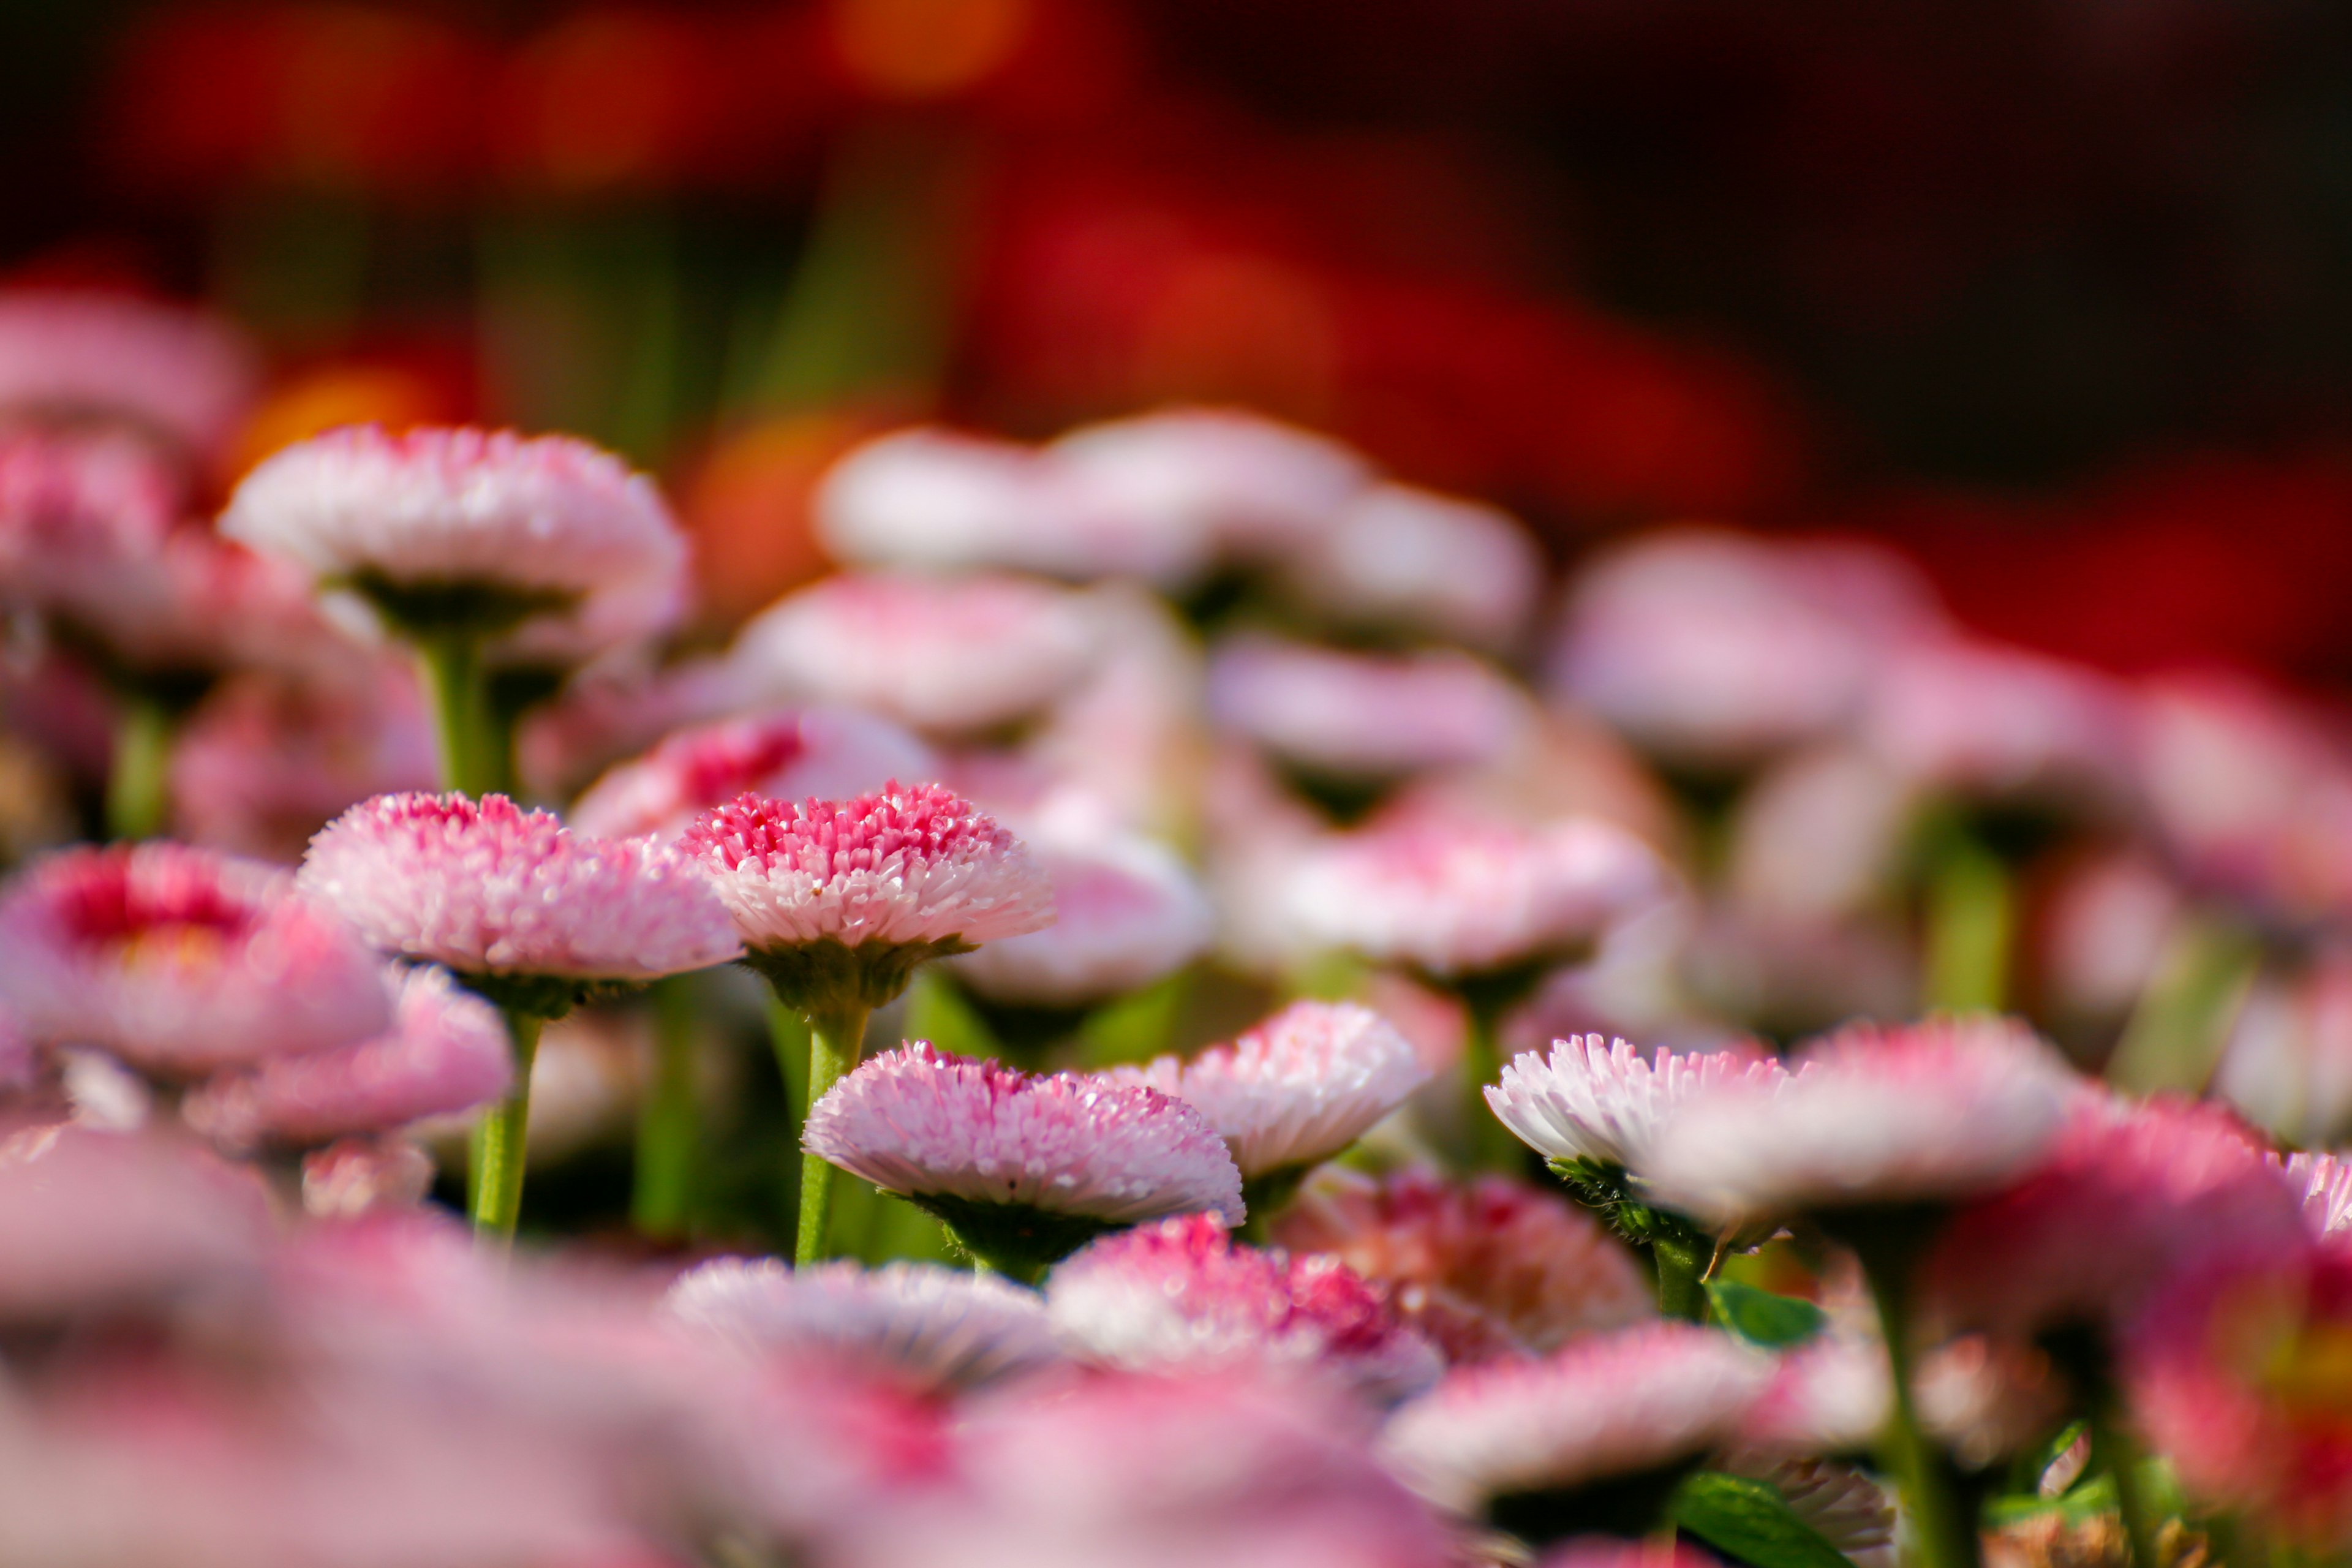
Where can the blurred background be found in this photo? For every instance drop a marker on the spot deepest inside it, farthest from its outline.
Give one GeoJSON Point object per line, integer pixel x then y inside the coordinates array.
{"type": "Point", "coordinates": [2057, 295]}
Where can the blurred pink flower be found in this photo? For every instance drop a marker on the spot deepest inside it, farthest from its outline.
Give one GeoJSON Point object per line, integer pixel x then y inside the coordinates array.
{"type": "Point", "coordinates": [1604, 1102]}
{"type": "Point", "coordinates": [550, 542]}
{"type": "Point", "coordinates": [76, 500]}
{"type": "Point", "coordinates": [1940, 1111]}
{"type": "Point", "coordinates": [1405, 559]}
{"type": "Point", "coordinates": [1127, 912]}
{"type": "Point", "coordinates": [1295, 1090]}
{"type": "Point", "coordinates": [1606, 1406]}
{"type": "Point", "coordinates": [446, 1051]}
{"type": "Point", "coordinates": [1363, 716]}
{"type": "Point", "coordinates": [2323, 1185]}
{"type": "Point", "coordinates": [178, 373]}
{"type": "Point", "coordinates": [610, 713]}
{"type": "Point", "coordinates": [1981, 720]}
{"type": "Point", "coordinates": [943, 655]}
{"type": "Point", "coordinates": [898, 867]}
{"type": "Point", "coordinates": [180, 961]}
{"type": "Point", "coordinates": [488, 889]}
{"type": "Point", "coordinates": [1454, 897]}
{"type": "Point", "coordinates": [832, 753]}
{"type": "Point", "coordinates": [195, 602]}
{"type": "Point", "coordinates": [2287, 1063]}
{"type": "Point", "coordinates": [925, 1124]}
{"type": "Point", "coordinates": [1182, 1296]}
{"type": "Point", "coordinates": [941, 1329]}
{"type": "Point", "coordinates": [354, 1176]}
{"type": "Point", "coordinates": [1488, 1269]}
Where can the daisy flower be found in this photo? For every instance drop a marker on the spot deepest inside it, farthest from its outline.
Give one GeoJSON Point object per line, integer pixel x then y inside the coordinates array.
{"type": "Point", "coordinates": [1294, 1092]}
{"type": "Point", "coordinates": [1601, 1100]}
{"type": "Point", "coordinates": [179, 374]}
{"type": "Point", "coordinates": [1024, 1170]}
{"type": "Point", "coordinates": [943, 1328]}
{"type": "Point", "coordinates": [1517, 1442]}
{"type": "Point", "coordinates": [1127, 912]}
{"type": "Point", "coordinates": [1984, 721]}
{"type": "Point", "coordinates": [354, 1176]}
{"type": "Point", "coordinates": [1403, 558]}
{"type": "Point", "coordinates": [789, 754]}
{"type": "Point", "coordinates": [1350, 716]}
{"type": "Point", "coordinates": [182, 961]}
{"type": "Point", "coordinates": [2322, 1183]}
{"type": "Point", "coordinates": [1180, 1295]}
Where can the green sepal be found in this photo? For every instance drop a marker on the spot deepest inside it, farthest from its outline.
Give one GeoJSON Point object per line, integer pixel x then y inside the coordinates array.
{"type": "Point", "coordinates": [1749, 1522]}
{"type": "Point", "coordinates": [1016, 1240]}
{"type": "Point", "coordinates": [418, 611]}
{"type": "Point", "coordinates": [1762, 1318]}
{"type": "Point", "coordinates": [544, 996]}
{"type": "Point", "coordinates": [828, 974]}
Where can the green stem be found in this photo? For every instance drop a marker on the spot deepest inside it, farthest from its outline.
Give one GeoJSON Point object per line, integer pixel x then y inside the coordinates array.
{"type": "Point", "coordinates": [788, 1036]}
{"type": "Point", "coordinates": [498, 1165]}
{"type": "Point", "coordinates": [1945, 1540]}
{"type": "Point", "coordinates": [135, 790]}
{"type": "Point", "coordinates": [2113, 1445]}
{"type": "Point", "coordinates": [1971, 921]}
{"type": "Point", "coordinates": [1490, 1145]}
{"type": "Point", "coordinates": [456, 689]}
{"type": "Point", "coordinates": [836, 1037]}
{"type": "Point", "coordinates": [668, 1122]}
{"type": "Point", "coordinates": [2183, 1019]}
{"type": "Point", "coordinates": [1681, 1263]}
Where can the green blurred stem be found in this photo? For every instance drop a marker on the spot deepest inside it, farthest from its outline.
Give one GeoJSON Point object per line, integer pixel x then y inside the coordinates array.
{"type": "Point", "coordinates": [456, 689]}
{"type": "Point", "coordinates": [835, 1037]}
{"type": "Point", "coordinates": [135, 790]}
{"type": "Point", "coordinates": [2113, 1445]}
{"type": "Point", "coordinates": [2183, 1019]}
{"type": "Point", "coordinates": [1943, 1538]}
{"type": "Point", "coordinates": [1971, 920]}
{"type": "Point", "coordinates": [1490, 1144]}
{"type": "Point", "coordinates": [498, 1167]}
{"type": "Point", "coordinates": [1681, 1263]}
{"type": "Point", "coordinates": [668, 1124]}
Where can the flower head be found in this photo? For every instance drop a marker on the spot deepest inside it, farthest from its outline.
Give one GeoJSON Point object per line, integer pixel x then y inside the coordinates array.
{"type": "Point", "coordinates": [488, 889]}
{"type": "Point", "coordinates": [75, 501]}
{"type": "Point", "coordinates": [1984, 720]}
{"type": "Point", "coordinates": [1607, 1406]}
{"type": "Point", "coordinates": [828, 753]}
{"type": "Point", "coordinates": [484, 531]}
{"type": "Point", "coordinates": [2323, 1183]}
{"type": "Point", "coordinates": [1603, 1101]}
{"type": "Point", "coordinates": [1935, 1112]}
{"type": "Point", "coordinates": [1406, 558]}
{"type": "Point", "coordinates": [1127, 912]}
{"type": "Point", "coordinates": [942, 1327]}
{"type": "Point", "coordinates": [178, 373]}
{"type": "Point", "coordinates": [180, 961]}
{"type": "Point", "coordinates": [1350, 716]}
{"type": "Point", "coordinates": [943, 655]}
{"type": "Point", "coordinates": [1456, 897]}
{"type": "Point", "coordinates": [354, 1176]}
{"type": "Point", "coordinates": [1488, 1269]}
{"type": "Point", "coordinates": [1180, 1295]}
{"type": "Point", "coordinates": [446, 1051]}
{"type": "Point", "coordinates": [1296, 1089]}
{"type": "Point", "coordinates": [1030, 1166]}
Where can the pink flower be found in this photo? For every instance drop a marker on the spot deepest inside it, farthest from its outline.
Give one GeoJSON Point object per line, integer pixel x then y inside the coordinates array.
{"type": "Point", "coordinates": [446, 1051]}
{"type": "Point", "coordinates": [1296, 1089]}
{"type": "Point", "coordinates": [1487, 1270]}
{"type": "Point", "coordinates": [899, 866]}
{"type": "Point", "coordinates": [1456, 897]}
{"type": "Point", "coordinates": [1607, 1406]}
{"type": "Point", "coordinates": [611, 712]}
{"type": "Point", "coordinates": [76, 501]}
{"type": "Point", "coordinates": [1127, 912]}
{"type": "Point", "coordinates": [829, 753]}
{"type": "Point", "coordinates": [1180, 1295]}
{"type": "Point", "coordinates": [942, 1327]}
{"type": "Point", "coordinates": [943, 655]}
{"type": "Point", "coordinates": [180, 961]}
{"type": "Point", "coordinates": [1363, 716]}
{"type": "Point", "coordinates": [354, 1176]}
{"type": "Point", "coordinates": [1940, 1111]}
{"type": "Point", "coordinates": [1716, 650]}
{"type": "Point", "coordinates": [2323, 1183]}
{"type": "Point", "coordinates": [194, 603]}
{"type": "Point", "coordinates": [550, 538]}
{"type": "Point", "coordinates": [2288, 1060]}
{"type": "Point", "coordinates": [1982, 720]}
{"type": "Point", "coordinates": [1604, 1102]}
{"type": "Point", "coordinates": [1411, 560]}
{"type": "Point", "coordinates": [181, 374]}
{"type": "Point", "coordinates": [488, 889]}
{"type": "Point", "coordinates": [948, 1131]}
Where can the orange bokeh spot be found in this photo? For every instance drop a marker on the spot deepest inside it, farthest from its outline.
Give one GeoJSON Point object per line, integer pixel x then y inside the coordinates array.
{"type": "Point", "coordinates": [914, 50]}
{"type": "Point", "coordinates": [324, 399]}
{"type": "Point", "coordinates": [748, 508]}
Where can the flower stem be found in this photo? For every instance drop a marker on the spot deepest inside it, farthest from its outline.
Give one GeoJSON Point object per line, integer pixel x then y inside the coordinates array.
{"type": "Point", "coordinates": [454, 686]}
{"type": "Point", "coordinates": [667, 1120]}
{"type": "Point", "coordinates": [498, 1138]}
{"type": "Point", "coordinates": [2183, 1019]}
{"type": "Point", "coordinates": [1945, 1540]}
{"type": "Point", "coordinates": [836, 1037]}
{"type": "Point", "coordinates": [2113, 1445]}
{"type": "Point", "coordinates": [135, 790]}
{"type": "Point", "coordinates": [1490, 1145]}
{"type": "Point", "coordinates": [1971, 921]}
{"type": "Point", "coordinates": [1680, 1262]}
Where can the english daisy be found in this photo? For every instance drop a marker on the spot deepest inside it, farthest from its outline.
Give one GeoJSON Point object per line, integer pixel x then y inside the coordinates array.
{"type": "Point", "coordinates": [1406, 559]}
{"type": "Point", "coordinates": [177, 374]}
{"type": "Point", "coordinates": [834, 753]}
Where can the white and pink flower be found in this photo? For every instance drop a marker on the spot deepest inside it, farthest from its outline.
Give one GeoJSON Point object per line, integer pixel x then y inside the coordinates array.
{"type": "Point", "coordinates": [1603, 1100]}
{"type": "Point", "coordinates": [1127, 912]}
{"type": "Point", "coordinates": [73, 355]}
{"type": "Point", "coordinates": [1403, 558]}
{"type": "Point", "coordinates": [1363, 716]}
{"type": "Point", "coordinates": [833, 753]}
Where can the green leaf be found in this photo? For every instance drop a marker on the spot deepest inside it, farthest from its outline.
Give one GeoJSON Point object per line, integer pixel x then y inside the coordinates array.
{"type": "Point", "coordinates": [1761, 1317]}
{"type": "Point", "coordinates": [1749, 1522]}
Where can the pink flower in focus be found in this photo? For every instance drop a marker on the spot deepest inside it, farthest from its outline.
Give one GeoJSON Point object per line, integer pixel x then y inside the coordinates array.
{"type": "Point", "coordinates": [490, 888]}
{"type": "Point", "coordinates": [1603, 1103]}
{"type": "Point", "coordinates": [549, 539]}
{"type": "Point", "coordinates": [942, 655]}
{"type": "Point", "coordinates": [1127, 912]}
{"type": "Point", "coordinates": [178, 373]}
{"type": "Point", "coordinates": [1488, 1269]}
{"type": "Point", "coordinates": [446, 1051]}
{"type": "Point", "coordinates": [1296, 1089]}
{"type": "Point", "coordinates": [928, 1125]}
{"type": "Point", "coordinates": [1403, 558]}
{"type": "Point", "coordinates": [1363, 716]}
{"type": "Point", "coordinates": [1606, 1406]}
{"type": "Point", "coordinates": [1180, 1295]}
{"type": "Point", "coordinates": [1454, 897]}
{"type": "Point", "coordinates": [898, 867]}
{"type": "Point", "coordinates": [180, 961]}
{"type": "Point", "coordinates": [1940, 1111]}
{"type": "Point", "coordinates": [832, 753]}
{"type": "Point", "coordinates": [943, 1328]}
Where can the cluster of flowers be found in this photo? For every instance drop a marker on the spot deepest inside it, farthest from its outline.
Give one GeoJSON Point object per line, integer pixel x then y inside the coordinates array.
{"type": "Point", "coordinates": [1177, 728]}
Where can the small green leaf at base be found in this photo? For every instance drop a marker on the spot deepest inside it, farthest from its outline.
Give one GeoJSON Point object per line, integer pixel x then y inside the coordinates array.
{"type": "Point", "coordinates": [1749, 1522]}
{"type": "Point", "coordinates": [1761, 1317]}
